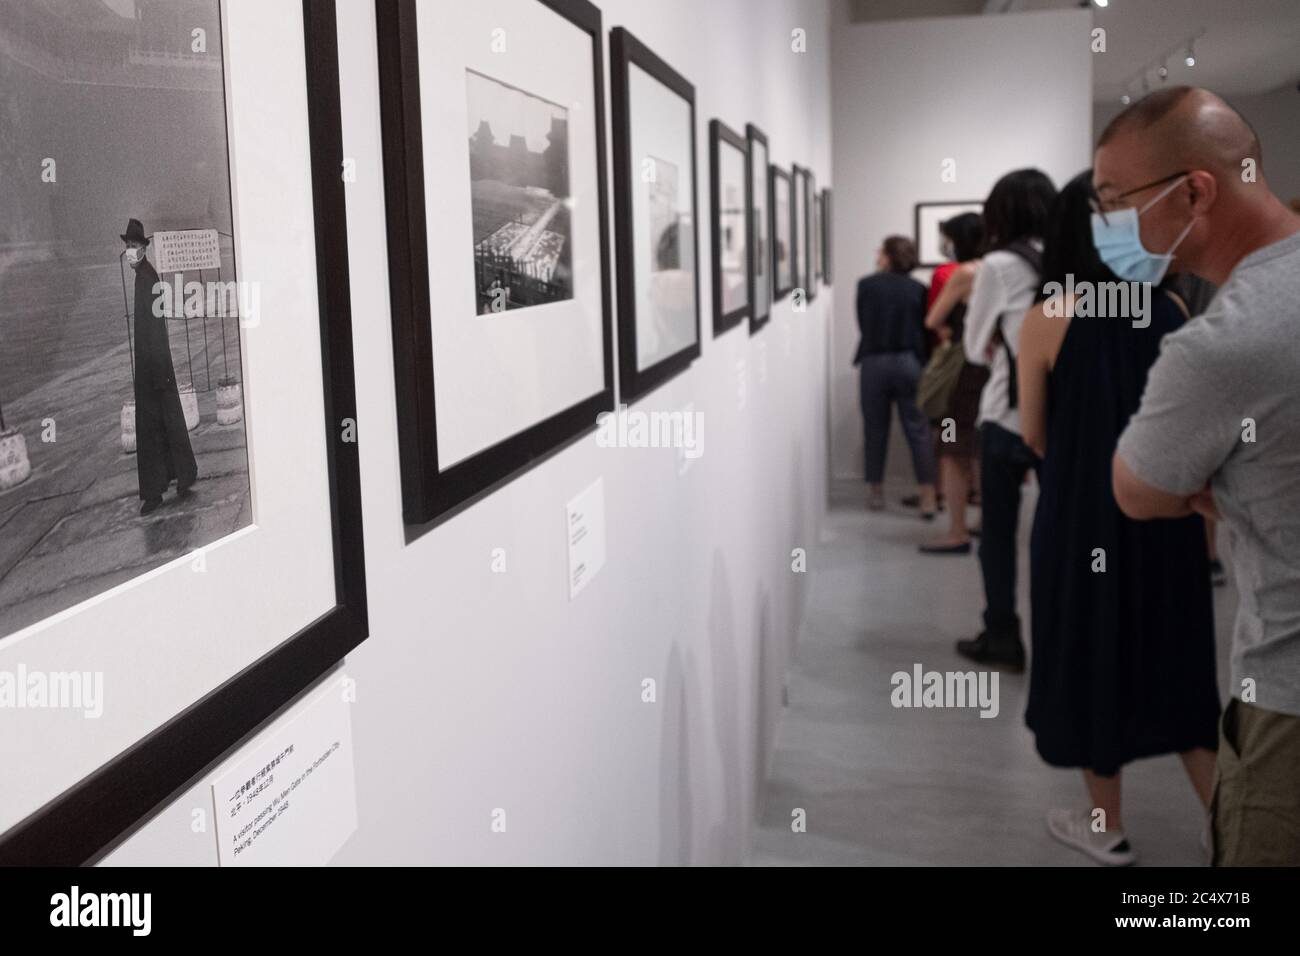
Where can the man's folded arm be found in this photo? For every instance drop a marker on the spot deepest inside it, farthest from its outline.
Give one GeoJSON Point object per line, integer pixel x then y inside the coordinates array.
{"type": "Point", "coordinates": [1177, 440]}
{"type": "Point", "coordinates": [1140, 500]}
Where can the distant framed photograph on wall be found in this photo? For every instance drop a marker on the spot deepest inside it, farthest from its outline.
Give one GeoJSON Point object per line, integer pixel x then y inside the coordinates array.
{"type": "Point", "coordinates": [814, 237]}
{"type": "Point", "coordinates": [799, 242]}
{"type": "Point", "coordinates": [729, 226]}
{"type": "Point", "coordinates": [760, 229]}
{"type": "Point", "coordinates": [926, 219]}
{"type": "Point", "coordinates": [781, 209]}
{"type": "Point", "coordinates": [177, 561]}
{"type": "Point", "coordinates": [656, 217]}
{"type": "Point", "coordinates": [826, 235]}
{"type": "Point", "coordinates": [499, 271]}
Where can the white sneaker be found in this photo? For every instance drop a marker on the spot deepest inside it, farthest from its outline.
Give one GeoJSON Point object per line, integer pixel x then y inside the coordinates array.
{"type": "Point", "coordinates": [1074, 829]}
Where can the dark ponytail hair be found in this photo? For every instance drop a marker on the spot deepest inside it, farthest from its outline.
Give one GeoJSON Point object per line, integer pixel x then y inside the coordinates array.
{"type": "Point", "coordinates": [1067, 240]}
{"type": "Point", "coordinates": [1017, 208]}
{"type": "Point", "coordinates": [966, 232]}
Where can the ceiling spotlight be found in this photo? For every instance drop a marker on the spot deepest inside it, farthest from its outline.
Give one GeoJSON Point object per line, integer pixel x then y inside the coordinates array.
{"type": "Point", "coordinates": [1163, 72]}
{"type": "Point", "coordinates": [1102, 3]}
{"type": "Point", "coordinates": [1190, 58]}
{"type": "Point", "coordinates": [1126, 99]}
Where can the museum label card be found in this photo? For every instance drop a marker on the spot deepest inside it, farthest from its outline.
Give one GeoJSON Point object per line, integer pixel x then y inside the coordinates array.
{"type": "Point", "coordinates": [291, 799]}
{"type": "Point", "coordinates": [586, 527]}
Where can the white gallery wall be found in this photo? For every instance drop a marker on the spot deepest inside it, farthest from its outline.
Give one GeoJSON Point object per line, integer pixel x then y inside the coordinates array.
{"type": "Point", "coordinates": [992, 94]}
{"type": "Point", "coordinates": [480, 691]}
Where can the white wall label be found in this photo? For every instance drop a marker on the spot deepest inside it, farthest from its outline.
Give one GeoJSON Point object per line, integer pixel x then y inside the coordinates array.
{"type": "Point", "coordinates": [291, 799]}
{"type": "Point", "coordinates": [585, 520]}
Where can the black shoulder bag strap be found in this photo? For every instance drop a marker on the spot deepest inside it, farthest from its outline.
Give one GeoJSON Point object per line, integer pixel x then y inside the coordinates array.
{"type": "Point", "coordinates": [1035, 259]}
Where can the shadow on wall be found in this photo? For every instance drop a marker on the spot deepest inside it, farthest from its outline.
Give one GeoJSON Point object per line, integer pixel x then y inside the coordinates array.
{"type": "Point", "coordinates": [729, 836]}
{"type": "Point", "coordinates": [799, 536]}
{"type": "Point", "coordinates": [675, 811]}
{"type": "Point", "coordinates": [767, 694]}
{"type": "Point", "coordinates": [726, 839]}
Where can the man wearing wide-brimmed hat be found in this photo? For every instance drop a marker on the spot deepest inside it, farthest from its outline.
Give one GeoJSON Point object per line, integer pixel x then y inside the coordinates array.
{"type": "Point", "coordinates": [163, 452]}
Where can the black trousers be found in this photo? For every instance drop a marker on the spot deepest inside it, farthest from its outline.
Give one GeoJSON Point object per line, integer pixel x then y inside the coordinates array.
{"type": "Point", "coordinates": [887, 380]}
{"type": "Point", "coordinates": [1004, 461]}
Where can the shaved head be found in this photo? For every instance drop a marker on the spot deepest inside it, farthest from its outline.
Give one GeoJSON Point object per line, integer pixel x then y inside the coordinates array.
{"type": "Point", "coordinates": [1190, 165]}
{"type": "Point", "coordinates": [1186, 127]}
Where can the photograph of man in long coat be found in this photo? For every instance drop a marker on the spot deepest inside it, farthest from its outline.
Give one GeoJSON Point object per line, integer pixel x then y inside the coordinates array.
{"type": "Point", "coordinates": [163, 452]}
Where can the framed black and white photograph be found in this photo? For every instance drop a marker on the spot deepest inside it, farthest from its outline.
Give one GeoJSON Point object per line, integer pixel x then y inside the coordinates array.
{"type": "Point", "coordinates": [729, 226]}
{"type": "Point", "coordinates": [498, 273]}
{"type": "Point", "coordinates": [781, 204]}
{"type": "Point", "coordinates": [801, 253]}
{"type": "Point", "coordinates": [519, 196]}
{"type": "Point", "coordinates": [656, 217]}
{"type": "Point", "coordinates": [759, 221]}
{"type": "Point", "coordinates": [927, 218]}
{"type": "Point", "coordinates": [814, 237]}
{"type": "Point", "coordinates": [826, 235]}
{"type": "Point", "coordinates": [176, 387]}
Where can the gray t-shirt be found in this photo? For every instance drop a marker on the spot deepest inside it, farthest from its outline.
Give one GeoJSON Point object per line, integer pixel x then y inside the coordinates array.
{"type": "Point", "coordinates": [1232, 371]}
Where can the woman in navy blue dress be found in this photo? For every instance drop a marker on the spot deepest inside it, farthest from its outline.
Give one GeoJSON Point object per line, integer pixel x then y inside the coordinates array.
{"type": "Point", "coordinates": [1123, 624]}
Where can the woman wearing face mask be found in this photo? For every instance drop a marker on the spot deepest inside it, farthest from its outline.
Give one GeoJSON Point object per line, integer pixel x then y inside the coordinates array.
{"type": "Point", "coordinates": [1122, 620]}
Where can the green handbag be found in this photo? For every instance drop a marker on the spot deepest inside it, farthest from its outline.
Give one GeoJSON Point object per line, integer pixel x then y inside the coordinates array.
{"type": "Point", "coordinates": [934, 391]}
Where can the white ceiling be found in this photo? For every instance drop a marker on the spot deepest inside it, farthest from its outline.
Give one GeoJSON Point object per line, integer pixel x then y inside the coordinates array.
{"type": "Point", "coordinates": [1248, 46]}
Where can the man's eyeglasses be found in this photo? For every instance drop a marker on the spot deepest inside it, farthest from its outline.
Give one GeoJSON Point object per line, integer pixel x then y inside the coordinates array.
{"type": "Point", "coordinates": [1096, 204]}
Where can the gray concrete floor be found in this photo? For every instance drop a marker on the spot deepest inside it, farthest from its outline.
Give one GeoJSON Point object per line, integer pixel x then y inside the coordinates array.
{"type": "Point", "coordinates": [881, 785]}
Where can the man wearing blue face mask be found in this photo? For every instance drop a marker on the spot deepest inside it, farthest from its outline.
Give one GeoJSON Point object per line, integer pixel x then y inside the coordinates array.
{"type": "Point", "coordinates": [1178, 177]}
{"type": "Point", "coordinates": [1117, 234]}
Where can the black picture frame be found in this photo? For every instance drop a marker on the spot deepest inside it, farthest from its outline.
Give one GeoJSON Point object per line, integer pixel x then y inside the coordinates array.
{"type": "Point", "coordinates": [777, 174]}
{"type": "Point", "coordinates": [954, 207]}
{"type": "Point", "coordinates": [814, 233]}
{"type": "Point", "coordinates": [799, 228]}
{"type": "Point", "coordinates": [84, 822]}
{"type": "Point", "coordinates": [756, 137]}
{"type": "Point", "coordinates": [721, 135]}
{"type": "Point", "coordinates": [626, 50]}
{"type": "Point", "coordinates": [826, 235]}
{"type": "Point", "coordinates": [430, 493]}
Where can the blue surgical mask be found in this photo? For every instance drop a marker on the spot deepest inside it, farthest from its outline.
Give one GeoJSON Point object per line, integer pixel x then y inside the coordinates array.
{"type": "Point", "coordinates": [1118, 240]}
